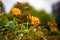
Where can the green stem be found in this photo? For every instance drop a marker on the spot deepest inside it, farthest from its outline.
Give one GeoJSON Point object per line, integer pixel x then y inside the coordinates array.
{"type": "Point", "coordinates": [27, 24]}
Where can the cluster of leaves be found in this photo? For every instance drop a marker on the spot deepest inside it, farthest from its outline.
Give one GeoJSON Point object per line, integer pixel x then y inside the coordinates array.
{"type": "Point", "coordinates": [11, 29]}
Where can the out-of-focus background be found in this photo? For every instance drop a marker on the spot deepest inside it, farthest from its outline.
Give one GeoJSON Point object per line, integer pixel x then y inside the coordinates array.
{"type": "Point", "coordinates": [37, 4]}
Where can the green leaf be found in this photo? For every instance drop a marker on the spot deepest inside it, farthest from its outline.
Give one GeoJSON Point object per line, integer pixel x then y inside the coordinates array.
{"type": "Point", "coordinates": [4, 20]}
{"type": "Point", "coordinates": [23, 27]}
{"type": "Point", "coordinates": [11, 24]}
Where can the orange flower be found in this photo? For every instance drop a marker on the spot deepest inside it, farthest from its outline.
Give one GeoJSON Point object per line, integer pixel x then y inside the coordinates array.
{"type": "Point", "coordinates": [50, 23]}
{"type": "Point", "coordinates": [16, 11]}
{"type": "Point", "coordinates": [35, 21]}
{"type": "Point", "coordinates": [29, 16]}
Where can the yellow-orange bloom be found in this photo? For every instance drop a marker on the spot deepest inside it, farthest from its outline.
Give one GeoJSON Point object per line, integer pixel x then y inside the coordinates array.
{"type": "Point", "coordinates": [16, 11]}
{"type": "Point", "coordinates": [35, 21]}
{"type": "Point", "coordinates": [50, 23]}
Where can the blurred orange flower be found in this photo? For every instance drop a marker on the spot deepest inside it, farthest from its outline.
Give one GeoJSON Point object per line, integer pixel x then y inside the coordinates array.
{"type": "Point", "coordinates": [50, 23]}
{"type": "Point", "coordinates": [29, 16]}
{"type": "Point", "coordinates": [35, 21]}
{"type": "Point", "coordinates": [16, 11]}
